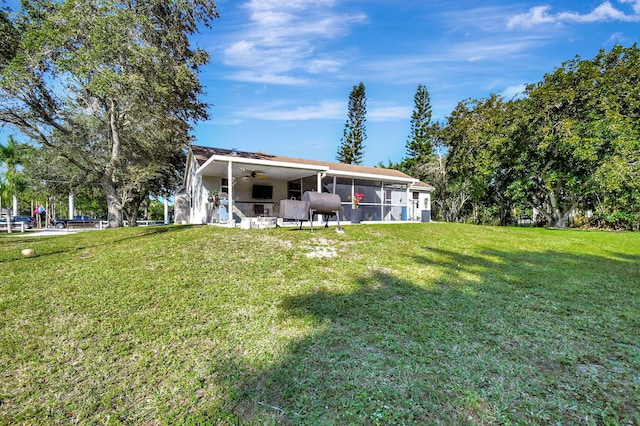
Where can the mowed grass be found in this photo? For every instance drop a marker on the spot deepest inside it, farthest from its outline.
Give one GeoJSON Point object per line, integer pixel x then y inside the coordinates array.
{"type": "Point", "coordinates": [386, 324]}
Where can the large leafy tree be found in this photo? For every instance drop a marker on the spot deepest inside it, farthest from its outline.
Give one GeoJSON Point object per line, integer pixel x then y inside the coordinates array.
{"type": "Point", "coordinates": [475, 132]}
{"type": "Point", "coordinates": [577, 139]}
{"type": "Point", "coordinates": [112, 86]}
{"type": "Point", "coordinates": [355, 133]}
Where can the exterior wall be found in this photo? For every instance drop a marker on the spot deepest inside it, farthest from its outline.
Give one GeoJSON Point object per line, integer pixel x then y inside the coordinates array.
{"type": "Point", "coordinates": [424, 207]}
{"type": "Point", "coordinates": [181, 209]}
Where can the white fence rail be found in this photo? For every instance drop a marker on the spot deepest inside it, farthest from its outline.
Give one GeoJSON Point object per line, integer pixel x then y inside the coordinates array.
{"type": "Point", "coordinates": [15, 227]}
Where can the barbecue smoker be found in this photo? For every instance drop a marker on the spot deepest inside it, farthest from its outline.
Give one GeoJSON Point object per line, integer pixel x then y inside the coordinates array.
{"type": "Point", "coordinates": [312, 203]}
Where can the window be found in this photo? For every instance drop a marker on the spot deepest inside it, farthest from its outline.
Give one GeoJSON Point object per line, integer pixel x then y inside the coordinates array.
{"type": "Point", "coordinates": [294, 191]}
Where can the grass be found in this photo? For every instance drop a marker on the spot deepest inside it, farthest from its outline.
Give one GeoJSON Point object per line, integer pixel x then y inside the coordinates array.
{"type": "Point", "coordinates": [387, 324]}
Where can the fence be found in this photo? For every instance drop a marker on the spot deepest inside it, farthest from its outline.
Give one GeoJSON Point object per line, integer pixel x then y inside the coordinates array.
{"type": "Point", "coordinates": [15, 227]}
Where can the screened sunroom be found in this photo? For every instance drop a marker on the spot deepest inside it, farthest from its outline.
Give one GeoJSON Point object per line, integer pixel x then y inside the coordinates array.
{"type": "Point", "coordinates": [254, 184]}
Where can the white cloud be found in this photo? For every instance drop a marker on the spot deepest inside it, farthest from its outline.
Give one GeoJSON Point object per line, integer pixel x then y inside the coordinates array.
{"type": "Point", "coordinates": [536, 16]}
{"type": "Point", "coordinates": [605, 12]}
{"type": "Point", "coordinates": [389, 113]}
{"type": "Point", "coordinates": [619, 38]}
{"type": "Point", "coordinates": [283, 38]}
{"type": "Point", "coordinates": [223, 122]}
{"type": "Point", "coordinates": [249, 76]}
{"type": "Point", "coordinates": [319, 66]}
{"type": "Point", "coordinates": [635, 3]}
{"type": "Point", "coordinates": [514, 91]}
{"type": "Point", "coordinates": [325, 110]}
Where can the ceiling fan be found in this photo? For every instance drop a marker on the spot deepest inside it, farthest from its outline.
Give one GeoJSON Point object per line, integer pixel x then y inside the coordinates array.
{"type": "Point", "coordinates": [259, 174]}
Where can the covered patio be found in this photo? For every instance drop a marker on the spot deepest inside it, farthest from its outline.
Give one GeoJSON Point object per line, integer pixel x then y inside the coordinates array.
{"type": "Point", "coordinates": [245, 185]}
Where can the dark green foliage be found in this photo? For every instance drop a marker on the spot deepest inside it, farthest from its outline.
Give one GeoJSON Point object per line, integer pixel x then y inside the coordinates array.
{"type": "Point", "coordinates": [112, 87]}
{"type": "Point", "coordinates": [419, 145]}
{"type": "Point", "coordinates": [12, 180]}
{"type": "Point", "coordinates": [355, 133]}
{"type": "Point", "coordinates": [421, 161]}
{"type": "Point", "coordinates": [571, 145]}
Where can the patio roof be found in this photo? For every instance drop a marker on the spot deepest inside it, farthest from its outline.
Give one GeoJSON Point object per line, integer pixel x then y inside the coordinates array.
{"type": "Point", "coordinates": [214, 161]}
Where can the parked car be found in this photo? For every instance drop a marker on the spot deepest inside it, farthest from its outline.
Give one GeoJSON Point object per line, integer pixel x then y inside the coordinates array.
{"type": "Point", "coordinates": [29, 222]}
{"type": "Point", "coordinates": [76, 222]}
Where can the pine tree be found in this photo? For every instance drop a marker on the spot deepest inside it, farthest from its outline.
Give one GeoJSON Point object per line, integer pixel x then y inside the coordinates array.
{"type": "Point", "coordinates": [351, 147]}
{"type": "Point", "coordinates": [419, 145]}
{"type": "Point", "coordinates": [420, 161]}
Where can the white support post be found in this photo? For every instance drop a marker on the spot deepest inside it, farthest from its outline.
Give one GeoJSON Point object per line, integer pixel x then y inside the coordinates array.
{"type": "Point", "coordinates": [71, 206]}
{"type": "Point", "coordinates": [230, 221]}
{"type": "Point", "coordinates": [166, 209]}
{"type": "Point", "coordinates": [383, 198]}
{"type": "Point", "coordinates": [408, 204]}
{"type": "Point", "coordinates": [318, 189]}
{"type": "Point", "coordinates": [15, 204]}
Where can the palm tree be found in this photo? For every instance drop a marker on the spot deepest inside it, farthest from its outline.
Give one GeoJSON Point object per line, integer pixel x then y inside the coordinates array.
{"type": "Point", "coordinates": [11, 156]}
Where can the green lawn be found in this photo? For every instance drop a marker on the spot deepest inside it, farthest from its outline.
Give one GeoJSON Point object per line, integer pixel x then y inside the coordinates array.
{"type": "Point", "coordinates": [386, 324]}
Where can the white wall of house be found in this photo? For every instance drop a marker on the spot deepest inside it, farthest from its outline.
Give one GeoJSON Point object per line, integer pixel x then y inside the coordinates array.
{"type": "Point", "coordinates": [424, 204]}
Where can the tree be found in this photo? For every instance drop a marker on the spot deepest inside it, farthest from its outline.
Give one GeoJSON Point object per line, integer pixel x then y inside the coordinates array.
{"type": "Point", "coordinates": [423, 138]}
{"type": "Point", "coordinates": [53, 178]}
{"type": "Point", "coordinates": [420, 143]}
{"type": "Point", "coordinates": [576, 130]}
{"type": "Point", "coordinates": [11, 156]}
{"type": "Point", "coordinates": [475, 132]}
{"type": "Point", "coordinates": [351, 148]}
{"type": "Point", "coordinates": [110, 86]}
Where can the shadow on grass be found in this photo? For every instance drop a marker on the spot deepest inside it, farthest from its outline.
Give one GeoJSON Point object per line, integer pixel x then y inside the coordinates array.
{"type": "Point", "coordinates": [54, 245]}
{"type": "Point", "coordinates": [502, 337]}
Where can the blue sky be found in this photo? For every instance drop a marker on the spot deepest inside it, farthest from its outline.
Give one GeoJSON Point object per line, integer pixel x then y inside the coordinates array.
{"type": "Point", "coordinates": [281, 71]}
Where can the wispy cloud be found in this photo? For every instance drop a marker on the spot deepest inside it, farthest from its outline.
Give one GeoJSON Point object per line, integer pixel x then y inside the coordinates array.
{"type": "Point", "coordinates": [389, 113]}
{"type": "Point", "coordinates": [255, 76]}
{"type": "Point", "coordinates": [325, 110]}
{"type": "Point", "coordinates": [605, 12]}
{"type": "Point", "coordinates": [514, 91]}
{"type": "Point", "coordinates": [282, 40]}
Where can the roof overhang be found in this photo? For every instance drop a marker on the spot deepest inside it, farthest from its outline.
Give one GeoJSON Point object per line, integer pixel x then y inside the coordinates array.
{"type": "Point", "coordinates": [371, 176]}
{"type": "Point", "coordinates": [422, 187]}
{"type": "Point", "coordinates": [288, 169]}
{"type": "Point", "coordinates": [217, 165]}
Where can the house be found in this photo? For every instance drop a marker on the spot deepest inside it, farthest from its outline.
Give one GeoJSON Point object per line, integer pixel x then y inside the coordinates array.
{"type": "Point", "coordinates": [251, 185]}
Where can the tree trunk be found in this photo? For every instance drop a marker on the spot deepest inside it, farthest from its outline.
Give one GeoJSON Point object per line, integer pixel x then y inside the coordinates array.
{"type": "Point", "coordinates": [133, 207]}
{"type": "Point", "coordinates": [114, 203]}
{"type": "Point", "coordinates": [560, 219]}
{"type": "Point", "coordinates": [556, 215]}
{"type": "Point", "coordinates": [114, 206]}
{"type": "Point", "coordinates": [560, 215]}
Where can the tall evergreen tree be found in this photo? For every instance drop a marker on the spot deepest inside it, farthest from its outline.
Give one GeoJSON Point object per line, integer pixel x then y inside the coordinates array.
{"type": "Point", "coordinates": [355, 133]}
{"type": "Point", "coordinates": [419, 143]}
{"type": "Point", "coordinates": [421, 160]}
